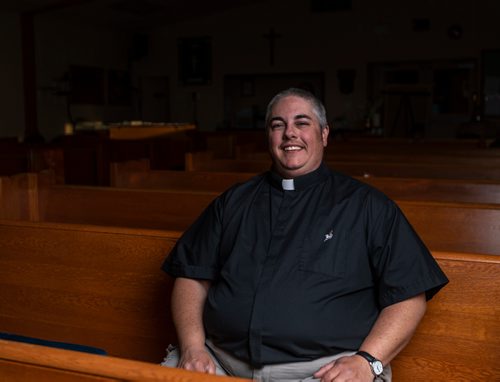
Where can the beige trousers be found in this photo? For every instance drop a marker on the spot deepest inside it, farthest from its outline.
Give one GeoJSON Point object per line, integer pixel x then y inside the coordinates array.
{"type": "Point", "coordinates": [226, 364]}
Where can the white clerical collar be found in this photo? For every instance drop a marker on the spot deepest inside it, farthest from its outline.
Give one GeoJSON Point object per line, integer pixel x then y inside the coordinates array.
{"type": "Point", "coordinates": [288, 184]}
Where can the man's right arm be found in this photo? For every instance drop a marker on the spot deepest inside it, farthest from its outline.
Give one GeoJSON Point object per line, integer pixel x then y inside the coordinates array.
{"type": "Point", "coordinates": [188, 300]}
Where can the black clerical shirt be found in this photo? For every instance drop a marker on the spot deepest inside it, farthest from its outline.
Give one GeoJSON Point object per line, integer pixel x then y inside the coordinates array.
{"type": "Point", "coordinates": [304, 273]}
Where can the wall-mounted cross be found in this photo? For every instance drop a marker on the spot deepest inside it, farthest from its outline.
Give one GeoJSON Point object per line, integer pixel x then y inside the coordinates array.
{"type": "Point", "coordinates": [271, 36]}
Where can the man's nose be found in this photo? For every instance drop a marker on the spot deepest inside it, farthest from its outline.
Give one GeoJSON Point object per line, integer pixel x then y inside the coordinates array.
{"type": "Point", "coordinates": [290, 132]}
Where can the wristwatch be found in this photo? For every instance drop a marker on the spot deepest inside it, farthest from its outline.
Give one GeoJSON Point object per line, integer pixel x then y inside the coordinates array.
{"type": "Point", "coordinates": [375, 364]}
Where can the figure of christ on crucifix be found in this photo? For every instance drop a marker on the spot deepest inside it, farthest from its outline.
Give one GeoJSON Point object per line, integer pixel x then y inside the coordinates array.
{"type": "Point", "coordinates": [271, 36]}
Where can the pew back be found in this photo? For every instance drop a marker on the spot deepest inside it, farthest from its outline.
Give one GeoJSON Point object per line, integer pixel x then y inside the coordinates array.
{"type": "Point", "coordinates": [254, 144]}
{"type": "Point", "coordinates": [391, 147]}
{"type": "Point", "coordinates": [19, 194]}
{"type": "Point", "coordinates": [456, 227]}
{"type": "Point", "coordinates": [35, 197]}
{"type": "Point", "coordinates": [445, 226]}
{"type": "Point", "coordinates": [94, 286]}
{"type": "Point", "coordinates": [132, 175]}
{"type": "Point", "coordinates": [138, 174]}
{"type": "Point", "coordinates": [459, 337]}
{"type": "Point", "coordinates": [391, 168]}
{"type": "Point", "coordinates": [479, 157]}
{"type": "Point", "coordinates": [438, 190]}
{"type": "Point", "coordinates": [417, 170]}
{"type": "Point", "coordinates": [156, 209]}
{"type": "Point", "coordinates": [102, 286]}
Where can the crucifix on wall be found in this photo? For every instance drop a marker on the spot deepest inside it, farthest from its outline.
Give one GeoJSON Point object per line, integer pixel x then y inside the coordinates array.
{"type": "Point", "coordinates": [271, 36]}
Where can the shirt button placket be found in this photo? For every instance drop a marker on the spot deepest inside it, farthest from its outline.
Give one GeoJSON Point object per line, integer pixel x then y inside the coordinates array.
{"type": "Point", "coordinates": [264, 292]}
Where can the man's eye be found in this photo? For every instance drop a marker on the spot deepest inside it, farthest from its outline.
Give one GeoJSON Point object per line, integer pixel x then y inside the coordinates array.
{"type": "Point", "coordinates": [277, 126]}
{"type": "Point", "coordinates": [302, 123]}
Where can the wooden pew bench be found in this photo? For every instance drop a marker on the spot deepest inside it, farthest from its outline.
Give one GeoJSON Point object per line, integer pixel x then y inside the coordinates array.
{"type": "Point", "coordinates": [202, 161]}
{"type": "Point", "coordinates": [21, 362]}
{"type": "Point", "coordinates": [438, 190]}
{"type": "Point", "coordinates": [137, 174]}
{"type": "Point", "coordinates": [417, 170]}
{"type": "Point", "coordinates": [89, 285]}
{"type": "Point", "coordinates": [245, 146]}
{"type": "Point", "coordinates": [388, 154]}
{"type": "Point", "coordinates": [444, 226]}
{"type": "Point", "coordinates": [155, 209]}
{"type": "Point", "coordinates": [34, 197]}
{"type": "Point", "coordinates": [103, 287]}
{"type": "Point", "coordinates": [458, 338]}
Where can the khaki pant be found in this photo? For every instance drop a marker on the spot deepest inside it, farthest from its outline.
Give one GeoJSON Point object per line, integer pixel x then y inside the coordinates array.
{"type": "Point", "coordinates": [226, 364]}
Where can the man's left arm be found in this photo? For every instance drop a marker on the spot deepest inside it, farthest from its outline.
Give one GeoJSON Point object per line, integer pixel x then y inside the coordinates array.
{"type": "Point", "coordinates": [389, 335]}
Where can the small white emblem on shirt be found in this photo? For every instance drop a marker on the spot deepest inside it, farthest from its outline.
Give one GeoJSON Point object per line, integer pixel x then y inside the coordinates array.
{"type": "Point", "coordinates": [328, 236]}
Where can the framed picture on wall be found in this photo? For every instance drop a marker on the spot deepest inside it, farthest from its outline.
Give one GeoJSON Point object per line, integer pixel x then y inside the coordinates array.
{"type": "Point", "coordinates": [195, 60]}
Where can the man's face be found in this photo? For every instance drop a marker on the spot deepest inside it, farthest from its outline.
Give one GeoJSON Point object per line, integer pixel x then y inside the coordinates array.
{"type": "Point", "coordinates": [296, 141]}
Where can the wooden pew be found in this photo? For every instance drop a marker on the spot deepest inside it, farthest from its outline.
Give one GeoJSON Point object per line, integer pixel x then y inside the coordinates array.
{"type": "Point", "coordinates": [155, 209]}
{"type": "Point", "coordinates": [102, 286]}
{"type": "Point", "coordinates": [18, 158]}
{"type": "Point", "coordinates": [21, 362]}
{"type": "Point", "coordinates": [19, 195]}
{"type": "Point", "coordinates": [245, 145]}
{"type": "Point", "coordinates": [417, 170]}
{"type": "Point", "coordinates": [439, 190]}
{"type": "Point", "coordinates": [391, 168]}
{"type": "Point", "coordinates": [478, 157]}
{"type": "Point", "coordinates": [458, 338]}
{"type": "Point", "coordinates": [89, 285]}
{"type": "Point", "coordinates": [444, 226]}
{"type": "Point", "coordinates": [34, 197]}
{"type": "Point", "coordinates": [137, 174]}
{"type": "Point", "coordinates": [426, 146]}
{"type": "Point", "coordinates": [455, 227]}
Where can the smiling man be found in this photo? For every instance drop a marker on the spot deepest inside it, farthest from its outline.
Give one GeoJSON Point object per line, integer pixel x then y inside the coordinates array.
{"type": "Point", "coordinates": [300, 273]}
{"type": "Point", "coordinates": [297, 135]}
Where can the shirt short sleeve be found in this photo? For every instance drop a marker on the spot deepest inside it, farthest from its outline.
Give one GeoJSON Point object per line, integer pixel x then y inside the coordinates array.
{"type": "Point", "coordinates": [195, 254]}
{"type": "Point", "coordinates": [404, 267]}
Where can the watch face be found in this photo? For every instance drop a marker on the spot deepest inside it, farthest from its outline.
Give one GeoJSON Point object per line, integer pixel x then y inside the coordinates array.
{"type": "Point", "coordinates": [378, 368]}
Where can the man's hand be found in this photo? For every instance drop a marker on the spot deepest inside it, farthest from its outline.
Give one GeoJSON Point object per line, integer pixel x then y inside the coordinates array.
{"type": "Point", "coordinates": [188, 299]}
{"type": "Point", "coordinates": [352, 368]}
{"type": "Point", "coordinates": [197, 360]}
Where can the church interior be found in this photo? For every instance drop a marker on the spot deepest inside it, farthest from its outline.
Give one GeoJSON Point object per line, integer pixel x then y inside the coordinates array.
{"type": "Point", "coordinates": [390, 69]}
{"type": "Point", "coordinates": [121, 120]}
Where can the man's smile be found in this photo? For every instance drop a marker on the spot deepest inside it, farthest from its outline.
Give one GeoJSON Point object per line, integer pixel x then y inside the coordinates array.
{"type": "Point", "coordinates": [292, 148]}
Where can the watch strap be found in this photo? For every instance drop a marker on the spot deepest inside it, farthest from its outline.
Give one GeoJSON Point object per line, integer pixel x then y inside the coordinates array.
{"type": "Point", "coordinates": [366, 356]}
{"type": "Point", "coordinates": [375, 364]}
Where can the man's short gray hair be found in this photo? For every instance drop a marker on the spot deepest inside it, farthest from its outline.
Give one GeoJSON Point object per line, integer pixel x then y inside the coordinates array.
{"type": "Point", "coordinates": [317, 105]}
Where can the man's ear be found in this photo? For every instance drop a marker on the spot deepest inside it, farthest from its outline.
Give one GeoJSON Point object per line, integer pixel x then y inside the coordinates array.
{"type": "Point", "coordinates": [324, 135]}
